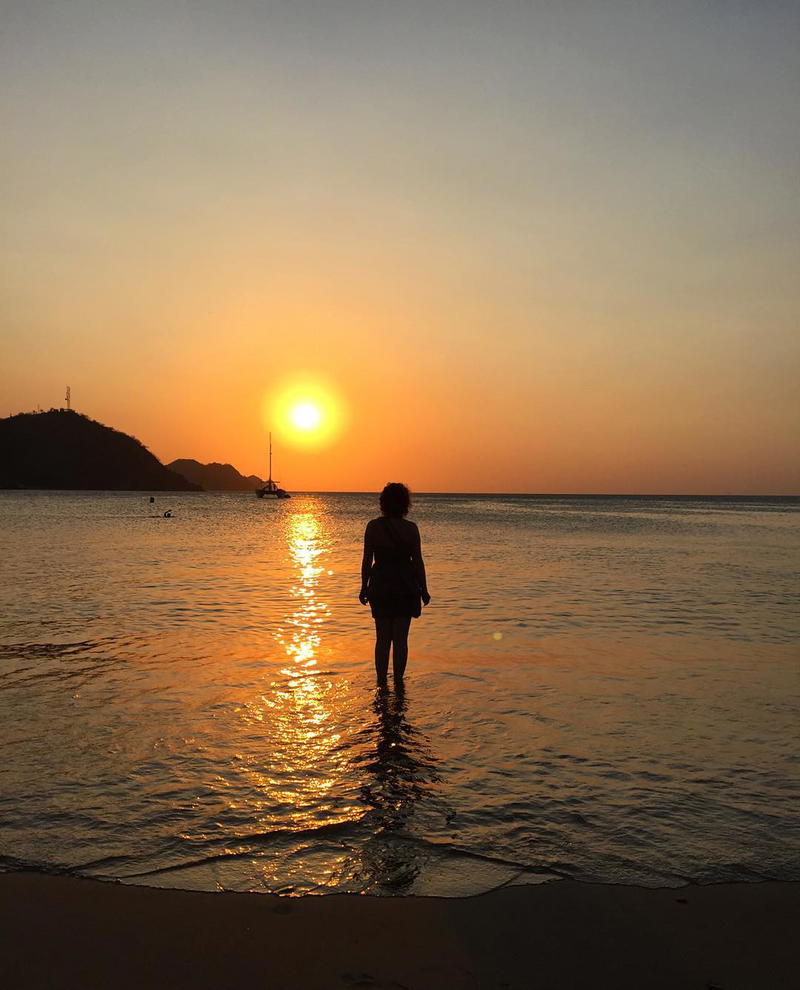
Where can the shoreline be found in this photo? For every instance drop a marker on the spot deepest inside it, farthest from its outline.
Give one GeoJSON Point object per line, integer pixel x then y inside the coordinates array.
{"type": "Point", "coordinates": [62, 931]}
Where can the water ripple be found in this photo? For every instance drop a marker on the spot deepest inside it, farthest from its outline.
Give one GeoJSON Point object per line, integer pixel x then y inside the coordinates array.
{"type": "Point", "coordinates": [603, 689]}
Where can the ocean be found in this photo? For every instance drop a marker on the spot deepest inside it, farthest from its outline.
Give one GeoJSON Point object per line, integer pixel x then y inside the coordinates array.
{"type": "Point", "coordinates": [604, 689]}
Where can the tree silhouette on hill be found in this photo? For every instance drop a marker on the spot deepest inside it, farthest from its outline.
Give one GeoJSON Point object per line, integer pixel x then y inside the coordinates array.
{"type": "Point", "coordinates": [63, 449]}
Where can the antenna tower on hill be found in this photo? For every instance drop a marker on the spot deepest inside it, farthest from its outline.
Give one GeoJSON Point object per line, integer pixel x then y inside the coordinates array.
{"type": "Point", "coordinates": [67, 398]}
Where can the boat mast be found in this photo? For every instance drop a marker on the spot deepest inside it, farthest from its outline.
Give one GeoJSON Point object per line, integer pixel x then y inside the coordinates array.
{"type": "Point", "coordinates": [270, 461]}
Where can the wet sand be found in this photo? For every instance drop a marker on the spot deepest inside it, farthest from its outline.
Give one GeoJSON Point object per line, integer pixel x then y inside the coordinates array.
{"type": "Point", "coordinates": [66, 932]}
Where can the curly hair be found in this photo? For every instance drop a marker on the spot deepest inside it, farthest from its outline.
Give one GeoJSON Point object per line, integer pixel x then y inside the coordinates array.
{"type": "Point", "coordinates": [395, 499]}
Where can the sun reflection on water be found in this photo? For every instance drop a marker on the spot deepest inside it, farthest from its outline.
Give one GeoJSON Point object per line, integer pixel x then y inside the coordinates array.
{"type": "Point", "coordinates": [298, 763]}
{"type": "Point", "coordinates": [300, 636]}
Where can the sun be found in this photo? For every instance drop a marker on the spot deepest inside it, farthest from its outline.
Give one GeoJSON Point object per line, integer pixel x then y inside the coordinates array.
{"type": "Point", "coordinates": [304, 412]}
{"type": "Point", "coordinates": [305, 416]}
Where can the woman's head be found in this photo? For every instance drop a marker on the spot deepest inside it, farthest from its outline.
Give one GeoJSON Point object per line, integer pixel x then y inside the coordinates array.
{"type": "Point", "coordinates": [395, 499]}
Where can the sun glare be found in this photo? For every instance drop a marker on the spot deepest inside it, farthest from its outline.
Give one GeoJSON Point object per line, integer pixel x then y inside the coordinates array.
{"type": "Point", "coordinates": [304, 413]}
{"type": "Point", "coordinates": [306, 416]}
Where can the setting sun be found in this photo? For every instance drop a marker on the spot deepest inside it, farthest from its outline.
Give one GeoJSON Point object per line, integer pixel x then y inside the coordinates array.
{"type": "Point", "coordinates": [304, 413]}
{"type": "Point", "coordinates": [306, 416]}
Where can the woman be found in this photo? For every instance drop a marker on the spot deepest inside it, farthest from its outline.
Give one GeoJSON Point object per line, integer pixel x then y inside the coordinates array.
{"type": "Point", "coordinates": [393, 578]}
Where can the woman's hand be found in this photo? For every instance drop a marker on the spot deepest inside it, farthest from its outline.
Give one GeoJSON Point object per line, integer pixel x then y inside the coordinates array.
{"type": "Point", "coordinates": [426, 598]}
{"type": "Point", "coordinates": [362, 596]}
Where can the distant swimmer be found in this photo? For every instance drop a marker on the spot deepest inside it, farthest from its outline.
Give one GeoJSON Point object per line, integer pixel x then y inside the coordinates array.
{"type": "Point", "coordinates": [393, 579]}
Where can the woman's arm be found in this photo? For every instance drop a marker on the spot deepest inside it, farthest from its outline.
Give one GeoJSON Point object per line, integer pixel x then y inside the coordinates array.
{"type": "Point", "coordinates": [419, 567]}
{"type": "Point", "coordinates": [366, 565]}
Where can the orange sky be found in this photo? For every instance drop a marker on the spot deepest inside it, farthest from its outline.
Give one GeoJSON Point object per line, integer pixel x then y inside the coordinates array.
{"type": "Point", "coordinates": [533, 251]}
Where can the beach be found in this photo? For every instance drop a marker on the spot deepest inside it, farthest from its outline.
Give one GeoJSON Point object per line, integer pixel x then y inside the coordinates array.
{"type": "Point", "coordinates": [65, 932]}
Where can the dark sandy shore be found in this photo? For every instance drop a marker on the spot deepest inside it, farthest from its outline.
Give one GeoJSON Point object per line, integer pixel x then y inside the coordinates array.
{"type": "Point", "coordinates": [66, 932]}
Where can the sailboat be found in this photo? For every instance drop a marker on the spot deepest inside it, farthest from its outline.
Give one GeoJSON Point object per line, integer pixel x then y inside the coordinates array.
{"type": "Point", "coordinates": [271, 489]}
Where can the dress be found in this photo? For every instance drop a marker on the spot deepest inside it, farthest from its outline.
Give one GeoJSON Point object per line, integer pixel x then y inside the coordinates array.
{"type": "Point", "coordinates": [393, 589]}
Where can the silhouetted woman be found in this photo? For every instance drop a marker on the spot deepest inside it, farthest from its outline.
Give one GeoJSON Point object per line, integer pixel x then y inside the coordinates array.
{"type": "Point", "coordinates": [393, 578]}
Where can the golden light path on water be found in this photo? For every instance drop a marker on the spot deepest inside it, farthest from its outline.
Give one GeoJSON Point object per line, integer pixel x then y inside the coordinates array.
{"type": "Point", "coordinates": [301, 719]}
{"type": "Point", "coordinates": [300, 637]}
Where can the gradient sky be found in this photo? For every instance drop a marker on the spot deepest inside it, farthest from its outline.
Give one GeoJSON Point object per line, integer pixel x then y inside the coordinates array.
{"type": "Point", "coordinates": [544, 247]}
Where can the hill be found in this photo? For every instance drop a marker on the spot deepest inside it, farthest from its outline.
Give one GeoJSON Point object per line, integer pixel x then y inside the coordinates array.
{"type": "Point", "coordinates": [63, 449]}
{"type": "Point", "coordinates": [215, 477]}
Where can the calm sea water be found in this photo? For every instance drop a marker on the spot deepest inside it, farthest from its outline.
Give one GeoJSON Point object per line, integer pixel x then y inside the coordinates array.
{"type": "Point", "coordinates": [603, 688]}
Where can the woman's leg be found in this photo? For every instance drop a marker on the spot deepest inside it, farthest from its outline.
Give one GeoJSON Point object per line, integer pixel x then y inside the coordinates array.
{"type": "Point", "coordinates": [383, 643]}
{"type": "Point", "coordinates": [400, 627]}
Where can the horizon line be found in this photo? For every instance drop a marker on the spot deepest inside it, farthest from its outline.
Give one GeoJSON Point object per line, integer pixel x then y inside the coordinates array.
{"type": "Point", "coordinates": [504, 494]}
{"type": "Point", "coordinates": [419, 493]}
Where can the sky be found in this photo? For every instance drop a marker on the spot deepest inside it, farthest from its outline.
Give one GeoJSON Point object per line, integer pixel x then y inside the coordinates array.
{"type": "Point", "coordinates": [506, 246]}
